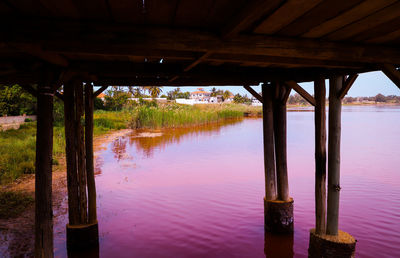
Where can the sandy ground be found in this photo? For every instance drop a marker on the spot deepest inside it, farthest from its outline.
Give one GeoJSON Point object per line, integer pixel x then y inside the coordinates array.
{"type": "Point", "coordinates": [17, 234]}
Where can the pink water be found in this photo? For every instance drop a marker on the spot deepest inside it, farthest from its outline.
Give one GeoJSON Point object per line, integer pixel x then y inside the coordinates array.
{"type": "Point", "coordinates": [199, 192]}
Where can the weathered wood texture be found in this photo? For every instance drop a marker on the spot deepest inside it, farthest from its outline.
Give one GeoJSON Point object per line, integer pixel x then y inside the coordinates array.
{"type": "Point", "coordinates": [292, 84]}
{"type": "Point", "coordinates": [268, 138]}
{"type": "Point", "coordinates": [91, 185]}
{"type": "Point", "coordinates": [43, 174]}
{"type": "Point", "coordinates": [157, 42]}
{"type": "Point", "coordinates": [320, 156]}
{"type": "Point", "coordinates": [280, 141]}
{"type": "Point", "coordinates": [392, 73]}
{"type": "Point", "coordinates": [253, 93]}
{"type": "Point", "coordinates": [80, 150]}
{"type": "Point", "coordinates": [71, 155]}
{"type": "Point", "coordinates": [335, 108]}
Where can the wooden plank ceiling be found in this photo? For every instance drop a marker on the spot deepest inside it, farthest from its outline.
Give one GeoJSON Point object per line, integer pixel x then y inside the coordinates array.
{"type": "Point", "coordinates": [191, 42]}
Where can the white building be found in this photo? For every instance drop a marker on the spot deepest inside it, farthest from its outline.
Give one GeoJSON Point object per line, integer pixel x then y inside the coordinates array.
{"type": "Point", "coordinates": [200, 95]}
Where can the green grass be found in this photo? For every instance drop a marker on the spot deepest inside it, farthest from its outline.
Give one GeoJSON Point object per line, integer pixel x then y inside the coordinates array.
{"type": "Point", "coordinates": [13, 203]}
{"type": "Point", "coordinates": [173, 115]}
{"type": "Point", "coordinates": [17, 152]}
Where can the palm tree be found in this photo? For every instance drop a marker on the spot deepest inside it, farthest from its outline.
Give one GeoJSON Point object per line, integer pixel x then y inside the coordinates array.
{"type": "Point", "coordinates": [226, 94]}
{"type": "Point", "coordinates": [154, 91]}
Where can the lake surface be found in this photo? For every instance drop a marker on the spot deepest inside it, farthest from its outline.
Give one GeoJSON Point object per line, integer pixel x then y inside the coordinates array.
{"type": "Point", "coordinates": [198, 192]}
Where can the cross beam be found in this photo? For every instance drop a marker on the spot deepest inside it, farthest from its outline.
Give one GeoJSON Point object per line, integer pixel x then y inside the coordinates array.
{"type": "Point", "coordinates": [347, 85]}
{"type": "Point", "coordinates": [392, 73]}
{"type": "Point", "coordinates": [292, 84]}
{"type": "Point", "coordinates": [253, 92]}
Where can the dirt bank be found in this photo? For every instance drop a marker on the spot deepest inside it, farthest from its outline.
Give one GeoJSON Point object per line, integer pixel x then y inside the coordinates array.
{"type": "Point", "coordinates": [17, 234]}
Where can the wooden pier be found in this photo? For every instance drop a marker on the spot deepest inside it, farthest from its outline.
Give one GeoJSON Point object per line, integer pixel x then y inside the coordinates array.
{"type": "Point", "coordinates": [61, 50]}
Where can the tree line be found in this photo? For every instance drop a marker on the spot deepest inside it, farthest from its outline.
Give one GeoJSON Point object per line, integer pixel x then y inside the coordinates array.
{"type": "Point", "coordinates": [15, 101]}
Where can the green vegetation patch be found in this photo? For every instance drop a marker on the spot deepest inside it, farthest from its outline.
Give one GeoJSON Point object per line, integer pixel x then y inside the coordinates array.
{"type": "Point", "coordinates": [13, 203]}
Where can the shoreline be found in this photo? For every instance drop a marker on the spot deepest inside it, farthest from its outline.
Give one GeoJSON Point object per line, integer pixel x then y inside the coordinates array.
{"type": "Point", "coordinates": [17, 234]}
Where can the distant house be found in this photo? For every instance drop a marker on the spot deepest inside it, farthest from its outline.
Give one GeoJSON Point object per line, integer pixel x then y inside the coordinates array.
{"type": "Point", "coordinates": [255, 102]}
{"type": "Point", "coordinates": [229, 99]}
{"type": "Point", "coordinates": [101, 96]}
{"type": "Point", "coordinates": [200, 95]}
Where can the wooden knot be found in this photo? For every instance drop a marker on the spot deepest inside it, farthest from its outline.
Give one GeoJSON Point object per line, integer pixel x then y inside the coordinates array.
{"type": "Point", "coordinates": [337, 188]}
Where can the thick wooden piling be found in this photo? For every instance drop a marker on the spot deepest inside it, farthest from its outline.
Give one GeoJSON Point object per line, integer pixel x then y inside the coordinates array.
{"type": "Point", "coordinates": [335, 109]}
{"type": "Point", "coordinates": [70, 135]}
{"type": "Point", "coordinates": [280, 142]}
{"type": "Point", "coordinates": [82, 230]}
{"type": "Point", "coordinates": [43, 173]}
{"type": "Point", "coordinates": [89, 102]}
{"type": "Point", "coordinates": [268, 137]}
{"type": "Point", "coordinates": [320, 156]}
{"type": "Point", "coordinates": [278, 212]}
{"type": "Point", "coordinates": [329, 242]}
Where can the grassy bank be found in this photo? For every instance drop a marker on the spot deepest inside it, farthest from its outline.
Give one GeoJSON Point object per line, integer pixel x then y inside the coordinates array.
{"type": "Point", "coordinates": [17, 147]}
{"type": "Point", "coordinates": [168, 116]}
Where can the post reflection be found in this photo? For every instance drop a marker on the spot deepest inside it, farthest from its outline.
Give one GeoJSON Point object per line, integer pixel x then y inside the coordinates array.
{"type": "Point", "coordinates": [92, 252]}
{"type": "Point", "coordinates": [278, 246]}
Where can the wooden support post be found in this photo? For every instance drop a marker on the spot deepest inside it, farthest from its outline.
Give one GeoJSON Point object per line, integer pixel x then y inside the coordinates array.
{"type": "Point", "coordinates": [43, 174]}
{"type": "Point", "coordinates": [91, 185]}
{"type": "Point", "coordinates": [320, 244]}
{"type": "Point", "coordinates": [320, 156]}
{"type": "Point", "coordinates": [70, 149]}
{"type": "Point", "coordinates": [335, 109]}
{"type": "Point", "coordinates": [80, 148]}
{"type": "Point", "coordinates": [278, 213]}
{"type": "Point", "coordinates": [280, 142]}
{"type": "Point", "coordinates": [268, 136]}
{"type": "Point", "coordinates": [82, 232]}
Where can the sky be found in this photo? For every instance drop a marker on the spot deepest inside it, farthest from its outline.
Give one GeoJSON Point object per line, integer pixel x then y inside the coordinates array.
{"type": "Point", "coordinates": [367, 84]}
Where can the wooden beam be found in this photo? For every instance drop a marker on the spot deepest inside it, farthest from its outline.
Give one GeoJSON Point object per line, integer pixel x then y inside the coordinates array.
{"type": "Point", "coordinates": [268, 138]}
{"type": "Point", "coordinates": [253, 93]}
{"type": "Point", "coordinates": [277, 60]}
{"type": "Point", "coordinates": [392, 73]}
{"type": "Point", "coordinates": [347, 85]}
{"type": "Point", "coordinates": [36, 51]}
{"type": "Point", "coordinates": [320, 156]}
{"type": "Point", "coordinates": [301, 91]}
{"type": "Point", "coordinates": [251, 13]}
{"type": "Point", "coordinates": [192, 65]}
{"type": "Point", "coordinates": [198, 61]}
{"type": "Point", "coordinates": [144, 39]}
{"type": "Point", "coordinates": [99, 91]}
{"type": "Point", "coordinates": [286, 14]}
{"type": "Point", "coordinates": [43, 174]}
{"type": "Point", "coordinates": [335, 109]}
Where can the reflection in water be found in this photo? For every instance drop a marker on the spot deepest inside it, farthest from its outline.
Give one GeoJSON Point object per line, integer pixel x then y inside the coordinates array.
{"type": "Point", "coordinates": [93, 252]}
{"type": "Point", "coordinates": [198, 192]}
{"type": "Point", "coordinates": [278, 246]}
{"type": "Point", "coordinates": [147, 142]}
{"type": "Point", "coordinates": [119, 148]}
